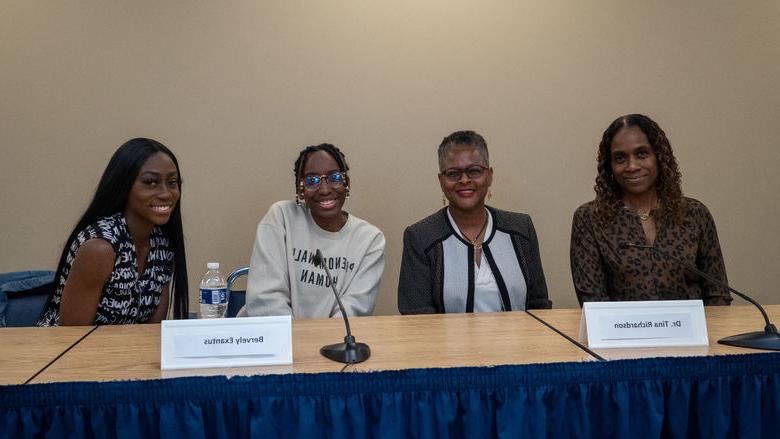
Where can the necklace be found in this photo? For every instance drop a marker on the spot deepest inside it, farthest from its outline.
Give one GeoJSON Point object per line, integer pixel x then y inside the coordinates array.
{"type": "Point", "coordinates": [473, 242]}
{"type": "Point", "coordinates": [642, 216]}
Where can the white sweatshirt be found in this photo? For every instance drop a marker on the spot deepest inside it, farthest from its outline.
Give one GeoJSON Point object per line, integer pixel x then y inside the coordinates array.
{"type": "Point", "coordinates": [283, 279]}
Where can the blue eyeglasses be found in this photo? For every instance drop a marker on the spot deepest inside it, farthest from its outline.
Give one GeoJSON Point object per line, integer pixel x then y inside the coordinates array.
{"type": "Point", "coordinates": [335, 179]}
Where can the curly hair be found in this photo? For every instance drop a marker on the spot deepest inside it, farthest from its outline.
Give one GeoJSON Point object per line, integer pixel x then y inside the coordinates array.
{"type": "Point", "coordinates": [303, 157]}
{"type": "Point", "coordinates": [609, 194]}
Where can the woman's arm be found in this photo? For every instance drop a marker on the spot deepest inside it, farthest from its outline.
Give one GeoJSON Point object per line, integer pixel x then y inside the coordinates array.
{"type": "Point", "coordinates": [537, 290]}
{"type": "Point", "coordinates": [162, 308]}
{"type": "Point", "coordinates": [268, 284]}
{"type": "Point", "coordinates": [360, 296]}
{"type": "Point", "coordinates": [587, 270]}
{"type": "Point", "coordinates": [709, 259]}
{"type": "Point", "coordinates": [415, 295]}
{"type": "Point", "coordinates": [91, 269]}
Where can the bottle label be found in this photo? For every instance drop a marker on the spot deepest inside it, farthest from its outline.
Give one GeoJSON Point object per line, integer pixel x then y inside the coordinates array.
{"type": "Point", "coordinates": [213, 296]}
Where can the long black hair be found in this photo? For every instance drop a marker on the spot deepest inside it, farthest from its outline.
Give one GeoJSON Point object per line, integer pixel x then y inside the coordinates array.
{"type": "Point", "coordinates": [111, 197]}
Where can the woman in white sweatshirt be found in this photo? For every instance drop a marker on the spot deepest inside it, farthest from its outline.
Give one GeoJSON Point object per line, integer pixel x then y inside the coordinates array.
{"type": "Point", "coordinates": [283, 279]}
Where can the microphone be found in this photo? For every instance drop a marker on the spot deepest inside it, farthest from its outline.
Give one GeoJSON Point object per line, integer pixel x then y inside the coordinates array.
{"type": "Point", "coordinates": [349, 351]}
{"type": "Point", "coordinates": [768, 339]}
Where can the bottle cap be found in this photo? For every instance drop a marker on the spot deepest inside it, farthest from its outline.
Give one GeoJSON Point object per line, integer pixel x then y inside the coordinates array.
{"type": "Point", "coordinates": [213, 265]}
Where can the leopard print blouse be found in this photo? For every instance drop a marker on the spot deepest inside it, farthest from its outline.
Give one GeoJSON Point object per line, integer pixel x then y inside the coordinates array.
{"type": "Point", "coordinates": [603, 271]}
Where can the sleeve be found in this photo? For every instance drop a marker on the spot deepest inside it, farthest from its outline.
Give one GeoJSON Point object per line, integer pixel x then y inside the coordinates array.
{"type": "Point", "coordinates": [709, 259]}
{"type": "Point", "coordinates": [415, 291]}
{"type": "Point", "coordinates": [360, 297]}
{"type": "Point", "coordinates": [537, 289]}
{"type": "Point", "coordinates": [587, 268]}
{"type": "Point", "coordinates": [268, 285]}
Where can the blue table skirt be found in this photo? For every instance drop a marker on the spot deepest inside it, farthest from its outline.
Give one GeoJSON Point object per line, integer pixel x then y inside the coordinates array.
{"type": "Point", "coordinates": [727, 396]}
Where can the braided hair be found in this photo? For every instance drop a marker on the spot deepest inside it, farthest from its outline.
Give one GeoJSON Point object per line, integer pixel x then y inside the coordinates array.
{"type": "Point", "coordinates": [609, 194]}
{"type": "Point", "coordinates": [303, 157]}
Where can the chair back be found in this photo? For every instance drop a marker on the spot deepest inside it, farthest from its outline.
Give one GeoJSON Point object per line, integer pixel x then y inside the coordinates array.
{"type": "Point", "coordinates": [25, 307]}
{"type": "Point", "coordinates": [237, 297]}
{"type": "Point", "coordinates": [23, 295]}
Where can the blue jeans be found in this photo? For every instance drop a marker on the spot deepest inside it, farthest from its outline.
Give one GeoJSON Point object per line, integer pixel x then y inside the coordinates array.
{"type": "Point", "coordinates": [17, 281]}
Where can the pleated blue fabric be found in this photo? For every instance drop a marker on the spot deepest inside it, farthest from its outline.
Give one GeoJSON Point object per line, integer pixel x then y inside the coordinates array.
{"type": "Point", "coordinates": [714, 397]}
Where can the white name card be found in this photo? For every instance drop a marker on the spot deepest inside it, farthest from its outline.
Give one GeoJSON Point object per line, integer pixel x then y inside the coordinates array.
{"type": "Point", "coordinates": [644, 324]}
{"type": "Point", "coordinates": [245, 341]}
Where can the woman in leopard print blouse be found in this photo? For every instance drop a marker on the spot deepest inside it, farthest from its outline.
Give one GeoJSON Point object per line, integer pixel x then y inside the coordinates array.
{"type": "Point", "coordinates": [639, 201]}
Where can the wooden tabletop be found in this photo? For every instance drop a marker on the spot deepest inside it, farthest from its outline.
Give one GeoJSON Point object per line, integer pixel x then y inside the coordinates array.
{"type": "Point", "coordinates": [722, 321]}
{"type": "Point", "coordinates": [397, 342]}
{"type": "Point", "coordinates": [25, 351]}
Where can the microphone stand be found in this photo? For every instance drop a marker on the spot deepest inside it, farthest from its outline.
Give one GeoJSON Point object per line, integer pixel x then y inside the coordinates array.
{"type": "Point", "coordinates": [768, 339]}
{"type": "Point", "coordinates": [349, 351]}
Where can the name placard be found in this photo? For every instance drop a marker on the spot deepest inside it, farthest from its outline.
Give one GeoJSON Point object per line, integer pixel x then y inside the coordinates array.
{"type": "Point", "coordinates": [233, 342]}
{"type": "Point", "coordinates": [644, 324]}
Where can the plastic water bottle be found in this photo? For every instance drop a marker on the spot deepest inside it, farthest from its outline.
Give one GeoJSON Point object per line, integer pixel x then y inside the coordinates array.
{"type": "Point", "coordinates": [213, 293]}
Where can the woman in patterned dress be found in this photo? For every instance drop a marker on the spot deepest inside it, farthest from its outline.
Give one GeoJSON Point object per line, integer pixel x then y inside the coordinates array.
{"type": "Point", "coordinates": [125, 258]}
{"type": "Point", "coordinates": [639, 201]}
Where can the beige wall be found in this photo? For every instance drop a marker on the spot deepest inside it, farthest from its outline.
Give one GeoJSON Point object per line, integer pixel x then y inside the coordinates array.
{"type": "Point", "coordinates": [237, 88]}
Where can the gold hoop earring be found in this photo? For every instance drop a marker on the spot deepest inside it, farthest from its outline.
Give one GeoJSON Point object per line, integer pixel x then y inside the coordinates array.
{"type": "Point", "coordinates": [490, 194]}
{"type": "Point", "coordinates": [299, 194]}
{"type": "Point", "coordinates": [443, 199]}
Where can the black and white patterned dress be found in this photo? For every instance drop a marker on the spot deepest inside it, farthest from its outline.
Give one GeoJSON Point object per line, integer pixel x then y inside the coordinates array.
{"type": "Point", "coordinates": [127, 298]}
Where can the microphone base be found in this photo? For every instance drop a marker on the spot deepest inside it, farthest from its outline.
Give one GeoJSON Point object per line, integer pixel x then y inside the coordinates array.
{"type": "Point", "coordinates": [347, 352]}
{"type": "Point", "coordinates": [768, 339]}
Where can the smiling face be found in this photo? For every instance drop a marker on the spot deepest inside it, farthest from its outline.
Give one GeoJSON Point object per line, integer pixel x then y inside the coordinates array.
{"type": "Point", "coordinates": [634, 163]}
{"type": "Point", "coordinates": [466, 194]}
{"type": "Point", "coordinates": [325, 201]}
{"type": "Point", "coordinates": [155, 192]}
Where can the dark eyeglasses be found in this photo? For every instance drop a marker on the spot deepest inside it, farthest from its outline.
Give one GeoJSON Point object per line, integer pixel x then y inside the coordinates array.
{"type": "Point", "coordinates": [335, 179]}
{"type": "Point", "coordinates": [473, 172]}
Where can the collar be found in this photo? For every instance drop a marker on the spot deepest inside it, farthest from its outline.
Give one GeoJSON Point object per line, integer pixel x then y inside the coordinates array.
{"type": "Point", "coordinates": [488, 227]}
